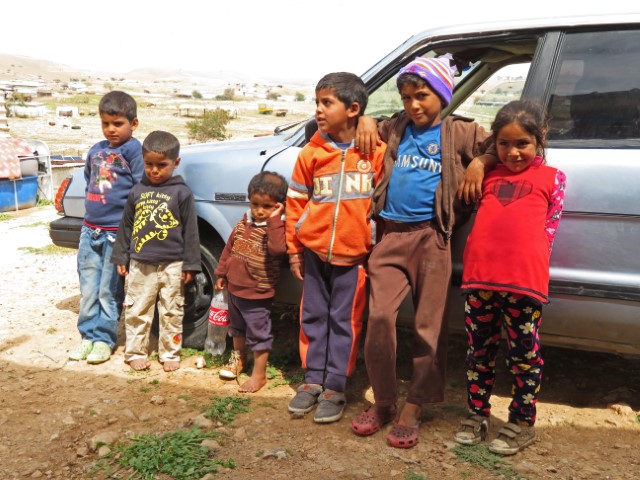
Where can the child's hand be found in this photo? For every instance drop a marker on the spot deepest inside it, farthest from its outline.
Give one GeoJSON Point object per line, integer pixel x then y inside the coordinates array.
{"type": "Point", "coordinates": [188, 276]}
{"type": "Point", "coordinates": [221, 283]}
{"type": "Point", "coordinates": [297, 270]}
{"type": "Point", "coordinates": [278, 211]}
{"type": "Point", "coordinates": [122, 270]}
{"type": "Point", "coordinates": [470, 189]}
{"type": "Point", "coordinates": [366, 135]}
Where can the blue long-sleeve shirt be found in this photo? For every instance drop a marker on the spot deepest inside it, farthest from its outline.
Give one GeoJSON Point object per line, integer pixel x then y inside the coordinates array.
{"type": "Point", "coordinates": [110, 173]}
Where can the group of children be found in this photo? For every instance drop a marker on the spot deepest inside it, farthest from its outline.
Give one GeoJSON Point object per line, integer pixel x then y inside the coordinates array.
{"type": "Point", "coordinates": [367, 218]}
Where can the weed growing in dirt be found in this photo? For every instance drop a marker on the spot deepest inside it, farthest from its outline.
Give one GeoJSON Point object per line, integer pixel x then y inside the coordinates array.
{"type": "Point", "coordinates": [49, 249]}
{"type": "Point", "coordinates": [179, 455]}
{"type": "Point", "coordinates": [189, 352]}
{"type": "Point", "coordinates": [5, 216]}
{"type": "Point", "coordinates": [36, 224]}
{"type": "Point", "coordinates": [225, 409]}
{"type": "Point", "coordinates": [51, 330]}
{"type": "Point", "coordinates": [479, 455]}
{"type": "Point", "coordinates": [414, 476]}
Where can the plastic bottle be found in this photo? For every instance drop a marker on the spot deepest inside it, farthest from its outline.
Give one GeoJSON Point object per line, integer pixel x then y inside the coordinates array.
{"type": "Point", "coordinates": [216, 342]}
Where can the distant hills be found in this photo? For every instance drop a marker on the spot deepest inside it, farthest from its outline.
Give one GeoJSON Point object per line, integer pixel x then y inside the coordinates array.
{"type": "Point", "coordinates": [17, 67]}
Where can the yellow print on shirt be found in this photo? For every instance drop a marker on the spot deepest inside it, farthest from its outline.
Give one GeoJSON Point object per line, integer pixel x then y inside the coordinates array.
{"type": "Point", "coordinates": [152, 208]}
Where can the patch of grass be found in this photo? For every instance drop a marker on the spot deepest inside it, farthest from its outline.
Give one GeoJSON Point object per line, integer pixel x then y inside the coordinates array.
{"type": "Point", "coordinates": [51, 330]}
{"type": "Point", "coordinates": [5, 216]}
{"type": "Point", "coordinates": [179, 455]}
{"type": "Point", "coordinates": [49, 249]}
{"type": "Point", "coordinates": [225, 409]}
{"type": "Point", "coordinates": [190, 352]}
{"type": "Point", "coordinates": [145, 389]}
{"type": "Point", "coordinates": [267, 405]}
{"type": "Point", "coordinates": [638, 418]}
{"type": "Point", "coordinates": [186, 398]}
{"type": "Point", "coordinates": [480, 456]}
{"type": "Point", "coordinates": [414, 476]}
{"type": "Point", "coordinates": [154, 382]}
{"type": "Point", "coordinates": [35, 224]}
{"type": "Point", "coordinates": [216, 360]}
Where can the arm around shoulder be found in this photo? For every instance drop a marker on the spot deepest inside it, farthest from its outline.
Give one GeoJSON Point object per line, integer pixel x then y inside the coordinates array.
{"type": "Point", "coordinates": [191, 252]}
{"type": "Point", "coordinates": [276, 242]}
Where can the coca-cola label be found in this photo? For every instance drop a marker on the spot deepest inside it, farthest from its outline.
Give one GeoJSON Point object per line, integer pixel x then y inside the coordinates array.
{"type": "Point", "coordinates": [218, 317]}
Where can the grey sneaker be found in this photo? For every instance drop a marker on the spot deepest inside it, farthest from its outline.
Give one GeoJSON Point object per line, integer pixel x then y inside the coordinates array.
{"type": "Point", "coordinates": [512, 438]}
{"type": "Point", "coordinates": [100, 353]}
{"type": "Point", "coordinates": [330, 407]}
{"type": "Point", "coordinates": [473, 430]}
{"type": "Point", "coordinates": [81, 351]}
{"type": "Point", "coordinates": [306, 398]}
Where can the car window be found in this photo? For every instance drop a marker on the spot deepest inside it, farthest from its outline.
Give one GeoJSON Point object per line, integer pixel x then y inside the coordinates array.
{"type": "Point", "coordinates": [595, 94]}
{"type": "Point", "coordinates": [502, 87]}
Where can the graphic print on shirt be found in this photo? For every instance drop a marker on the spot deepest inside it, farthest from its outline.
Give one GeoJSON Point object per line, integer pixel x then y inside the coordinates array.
{"type": "Point", "coordinates": [423, 163]}
{"type": "Point", "coordinates": [508, 192]}
{"type": "Point", "coordinates": [354, 184]}
{"type": "Point", "coordinates": [152, 215]}
{"type": "Point", "coordinates": [103, 174]}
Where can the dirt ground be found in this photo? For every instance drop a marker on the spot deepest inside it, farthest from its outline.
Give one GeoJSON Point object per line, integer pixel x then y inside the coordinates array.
{"type": "Point", "coordinates": [54, 413]}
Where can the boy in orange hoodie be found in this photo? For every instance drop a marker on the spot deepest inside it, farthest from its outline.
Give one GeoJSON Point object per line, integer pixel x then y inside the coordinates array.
{"type": "Point", "coordinates": [329, 235]}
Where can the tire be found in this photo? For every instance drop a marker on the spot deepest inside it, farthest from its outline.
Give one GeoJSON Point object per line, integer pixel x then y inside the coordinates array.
{"type": "Point", "coordinates": [198, 297]}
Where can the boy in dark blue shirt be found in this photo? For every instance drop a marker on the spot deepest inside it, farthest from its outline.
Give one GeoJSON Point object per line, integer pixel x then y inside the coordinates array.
{"type": "Point", "coordinates": [112, 167]}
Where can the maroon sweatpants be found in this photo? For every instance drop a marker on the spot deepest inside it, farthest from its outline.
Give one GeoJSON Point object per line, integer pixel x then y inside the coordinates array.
{"type": "Point", "coordinates": [410, 257]}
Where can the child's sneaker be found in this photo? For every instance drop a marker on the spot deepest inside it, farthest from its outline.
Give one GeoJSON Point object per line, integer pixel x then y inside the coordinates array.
{"type": "Point", "coordinates": [512, 438]}
{"type": "Point", "coordinates": [473, 430]}
{"type": "Point", "coordinates": [81, 351]}
{"type": "Point", "coordinates": [330, 407]}
{"type": "Point", "coordinates": [306, 398]}
{"type": "Point", "coordinates": [100, 353]}
{"type": "Point", "coordinates": [237, 364]}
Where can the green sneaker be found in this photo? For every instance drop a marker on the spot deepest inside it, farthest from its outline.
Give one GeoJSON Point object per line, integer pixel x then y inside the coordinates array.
{"type": "Point", "coordinates": [81, 351]}
{"type": "Point", "coordinates": [101, 353]}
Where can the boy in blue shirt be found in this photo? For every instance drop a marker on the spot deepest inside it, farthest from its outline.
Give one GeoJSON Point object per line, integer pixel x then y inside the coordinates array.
{"type": "Point", "coordinates": [112, 167]}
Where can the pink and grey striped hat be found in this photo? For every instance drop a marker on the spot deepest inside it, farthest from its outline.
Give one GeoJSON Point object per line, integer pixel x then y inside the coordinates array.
{"type": "Point", "coordinates": [437, 72]}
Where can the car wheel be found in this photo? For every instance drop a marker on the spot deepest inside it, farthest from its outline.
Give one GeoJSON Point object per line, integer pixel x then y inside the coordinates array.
{"type": "Point", "coordinates": [198, 297]}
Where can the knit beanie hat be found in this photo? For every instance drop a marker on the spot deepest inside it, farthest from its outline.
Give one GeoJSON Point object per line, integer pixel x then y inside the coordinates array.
{"type": "Point", "coordinates": [437, 72]}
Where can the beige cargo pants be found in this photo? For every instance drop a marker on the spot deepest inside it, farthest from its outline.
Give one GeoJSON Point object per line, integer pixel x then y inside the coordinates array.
{"type": "Point", "coordinates": [146, 283]}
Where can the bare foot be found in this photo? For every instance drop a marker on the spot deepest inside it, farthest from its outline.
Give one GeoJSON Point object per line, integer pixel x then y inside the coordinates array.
{"type": "Point", "coordinates": [252, 385]}
{"type": "Point", "coordinates": [139, 364]}
{"type": "Point", "coordinates": [171, 365]}
{"type": "Point", "coordinates": [410, 415]}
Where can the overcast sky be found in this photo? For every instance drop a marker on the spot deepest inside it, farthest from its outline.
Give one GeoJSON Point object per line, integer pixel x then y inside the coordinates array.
{"type": "Point", "coordinates": [268, 38]}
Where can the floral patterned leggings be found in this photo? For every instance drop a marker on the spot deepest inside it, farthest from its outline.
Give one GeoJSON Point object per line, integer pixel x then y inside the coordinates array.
{"type": "Point", "coordinates": [485, 314]}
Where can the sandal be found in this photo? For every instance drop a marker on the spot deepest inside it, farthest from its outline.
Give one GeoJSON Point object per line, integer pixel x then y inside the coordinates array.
{"type": "Point", "coordinates": [512, 438]}
{"type": "Point", "coordinates": [237, 364]}
{"type": "Point", "coordinates": [473, 430]}
{"type": "Point", "coordinates": [372, 420]}
{"type": "Point", "coordinates": [402, 436]}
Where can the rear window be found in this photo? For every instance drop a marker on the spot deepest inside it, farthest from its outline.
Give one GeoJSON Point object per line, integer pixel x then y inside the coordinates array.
{"type": "Point", "coordinates": [595, 96]}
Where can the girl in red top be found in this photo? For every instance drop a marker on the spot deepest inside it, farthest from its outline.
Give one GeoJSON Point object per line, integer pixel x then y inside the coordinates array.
{"type": "Point", "coordinates": [506, 275]}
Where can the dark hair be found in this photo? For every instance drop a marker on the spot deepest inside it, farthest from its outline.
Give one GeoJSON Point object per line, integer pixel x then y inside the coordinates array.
{"type": "Point", "coordinates": [161, 142]}
{"type": "Point", "coordinates": [348, 87]}
{"type": "Point", "coordinates": [411, 79]}
{"type": "Point", "coordinates": [531, 116]}
{"type": "Point", "coordinates": [119, 103]}
{"type": "Point", "coordinates": [269, 183]}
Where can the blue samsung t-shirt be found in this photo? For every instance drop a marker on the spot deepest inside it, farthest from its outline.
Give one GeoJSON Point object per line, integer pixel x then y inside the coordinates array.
{"type": "Point", "coordinates": [416, 173]}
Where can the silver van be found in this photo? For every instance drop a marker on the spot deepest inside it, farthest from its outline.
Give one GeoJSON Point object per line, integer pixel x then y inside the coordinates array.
{"type": "Point", "coordinates": [585, 69]}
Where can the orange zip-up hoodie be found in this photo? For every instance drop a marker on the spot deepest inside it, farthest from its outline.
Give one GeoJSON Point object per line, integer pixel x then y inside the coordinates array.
{"type": "Point", "coordinates": [329, 201]}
